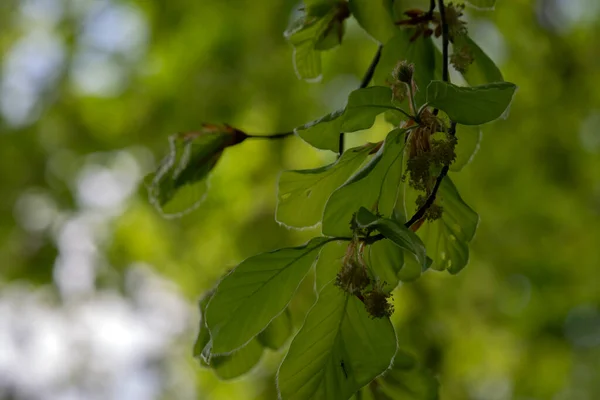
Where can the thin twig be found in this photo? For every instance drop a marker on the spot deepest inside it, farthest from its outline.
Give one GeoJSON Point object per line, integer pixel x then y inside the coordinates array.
{"type": "Point", "coordinates": [431, 8]}
{"type": "Point", "coordinates": [445, 41]}
{"type": "Point", "coordinates": [363, 84]}
{"type": "Point", "coordinates": [371, 70]}
{"type": "Point", "coordinates": [273, 136]}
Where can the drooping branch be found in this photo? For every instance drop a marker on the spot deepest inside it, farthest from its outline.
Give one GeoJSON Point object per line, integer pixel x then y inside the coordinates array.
{"type": "Point", "coordinates": [451, 131]}
{"type": "Point", "coordinates": [363, 84]}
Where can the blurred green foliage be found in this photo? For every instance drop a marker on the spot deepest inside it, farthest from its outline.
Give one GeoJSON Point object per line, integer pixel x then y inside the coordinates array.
{"type": "Point", "coordinates": [81, 97]}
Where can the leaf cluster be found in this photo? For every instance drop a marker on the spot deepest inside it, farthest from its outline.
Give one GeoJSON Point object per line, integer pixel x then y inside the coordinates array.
{"type": "Point", "coordinates": [362, 202]}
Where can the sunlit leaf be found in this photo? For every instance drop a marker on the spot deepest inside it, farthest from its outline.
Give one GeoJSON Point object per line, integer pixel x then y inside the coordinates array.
{"type": "Point", "coordinates": [339, 349]}
{"type": "Point", "coordinates": [374, 187]}
{"type": "Point", "coordinates": [180, 183]}
{"type": "Point", "coordinates": [483, 70]}
{"type": "Point", "coordinates": [302, 194]}
{"type": "Point", "coordinates": [329, 263]}
{"type": "Point", "coordinates": [447, 239]}
{"type": "Point", "coordinates": [276, 334]}
{"type": "Point", "coordinates": [471, 105]}
{"type": "Point", "coordinates": [360, 112]}
{"type": "Point", "coordinates": [255, 292]}
{"type": "Point", "coordinates": [239, 362]}
{"type": "Point", "coordinates": [319, 27]}
{"type": "Point", "coordinates": [225, 366]}
{"type": "Point", "coordinates": [375, 16]}
{"type": "Point", "coordinates": [324, 132]}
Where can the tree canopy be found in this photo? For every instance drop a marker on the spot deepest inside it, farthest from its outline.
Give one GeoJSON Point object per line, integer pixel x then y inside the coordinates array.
{"type": "Point", "coordinates": [90, 93]}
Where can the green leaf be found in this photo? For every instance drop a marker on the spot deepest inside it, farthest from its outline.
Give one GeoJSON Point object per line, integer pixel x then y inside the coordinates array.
{"type": "Point", "coordinates": [447, 238]}
{"type": "Point", "coordinates": [338, 350]}
{"type": "Point", "coordinates": [278, 331]}
{"type": "Point", "coordinates": [403, 237]}
{"type": "Point", "coordinates": [320, 27]}
{"type": "Point", "coordinates": [255, 292]}
{"type": "Point", "coordinates": [385, 259]}
{"type": "Point", "coordinates": [482, 4]}
{"type": "Point", "coordinates": [323, 133]}
{"type": "Point", "coordinates": [471, 105]}
{"type": "Point", "coordinates": [374, 187]}
{"type": "Point", "coordinates": [226, 366]}
{"type": "Point", "coordinates": [469, 138]}
{"type": "Point", "coordinates": [307, 62]}
{"type": "Point", "coordinates": [180, 183]}
{"type": "Point", "coordinates": [329, 262]}
{"type": "Point", "coordinates": [483, 70]}
{"type": "Point", "coordinates": [203, 337]}
{"type": "Point", "coordinates": [375, 17]}
{"type": "Point", "coordinates": [239, 362]}
{"type": "Point", "coordinates": [302, 194]}
{"type": "Point", "coordinates": [421, 53]}
{"type": "Point", "coordinates": [412, 269]}
{"type": "Point", "coordinates": [363, 106]}
{"type": "Point", "coordinates": [406, 380]}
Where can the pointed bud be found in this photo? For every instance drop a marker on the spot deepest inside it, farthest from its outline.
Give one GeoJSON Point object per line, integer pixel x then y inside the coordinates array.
{"type": "Point", "coordinates": [404, 72]}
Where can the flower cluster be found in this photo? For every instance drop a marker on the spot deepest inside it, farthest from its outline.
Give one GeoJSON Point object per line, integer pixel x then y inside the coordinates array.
{"type": "Point", "coordinates": [430, 148]}
{"type": "Point", "coordinates": [376, 301]}
{"type": "Point", "coordinates": [354, 279]}
{"type": "Point", "coordinates": [427, 151]}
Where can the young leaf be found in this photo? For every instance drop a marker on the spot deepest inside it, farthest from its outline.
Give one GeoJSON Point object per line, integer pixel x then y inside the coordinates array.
{"type": "Point", "coordinates": [386, 260]}
{"type": "Point", "coordinates": [226, 366]}
{"type": "Point", "coordinates": [483, 70]}
{"type": "Point", "coordinates": [373, 187]}
{"type": "Point", "coordinates": [320, 27]}
{"type": "Point", "coordinates": [255, 292]}
{"type": "Point", "coordinates": [447, 239]}
{"type": "Point", "coordinates": [237, 363]}
{"type": "Point", "coordinates": [363, 106]}
{"type": "Point", "coordinates": [412, 269]}
{"type": "Point", "coordinates": [403, 237]}
{"type": "Point", "coordinates": [275, 335]}
{"type": "Point", "coordinates": [471, 105]}
{"type": "Point", "coordinates": [466, 147]}
{"type": "Point", "coordinates": [419, 52]}
{"type": "Point", "coordinates": [323, 133]}
{"type": "Point", "coordinates": [179, 184]}
{"type": "Point", "coordinates": [338, 350]}
{"type": "Point", "coordinates": [375, 17]}
{"type": "Point", "coordinates": [329, 262]}
{"type": "Point", "coordinates": [203, 337]}
{"type": "Point", "coordinates": [302, 194]}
